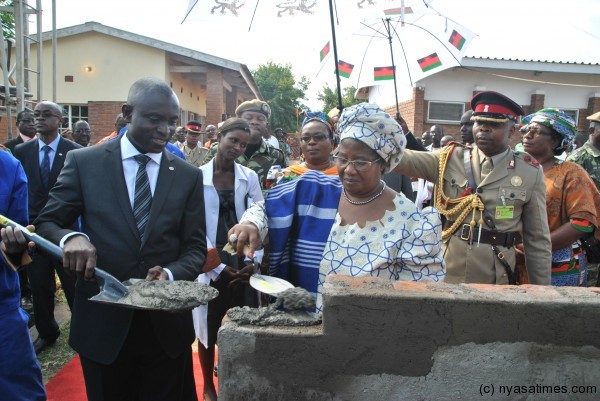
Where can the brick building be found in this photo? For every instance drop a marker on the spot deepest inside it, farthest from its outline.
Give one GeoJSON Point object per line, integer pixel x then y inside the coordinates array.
{"type": "Point", "coordinates": [441, 99]}
{"type": "Point", "coordinates": [96, 64]}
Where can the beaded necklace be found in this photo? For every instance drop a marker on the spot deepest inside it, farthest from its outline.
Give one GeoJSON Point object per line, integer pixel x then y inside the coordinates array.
{"type": "Point", "coordinates": [371, 199]}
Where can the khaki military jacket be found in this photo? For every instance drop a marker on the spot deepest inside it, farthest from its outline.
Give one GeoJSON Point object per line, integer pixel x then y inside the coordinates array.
{"type": "Point", "coordinates": [518, 179]}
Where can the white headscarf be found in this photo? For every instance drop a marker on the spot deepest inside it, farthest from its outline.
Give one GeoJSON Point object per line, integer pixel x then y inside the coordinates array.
{"type": "Point", "coordinates": [369, 124]}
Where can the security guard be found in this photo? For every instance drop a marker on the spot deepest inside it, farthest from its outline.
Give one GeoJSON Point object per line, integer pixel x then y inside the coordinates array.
{"type": "Point", "coordinates": [490, 196]}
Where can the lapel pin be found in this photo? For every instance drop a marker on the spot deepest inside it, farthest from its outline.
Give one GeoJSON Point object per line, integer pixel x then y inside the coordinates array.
{"type": "Point", "coordinates": [171, 168]}
{"type": "Point", "coordinates": [60, 154]}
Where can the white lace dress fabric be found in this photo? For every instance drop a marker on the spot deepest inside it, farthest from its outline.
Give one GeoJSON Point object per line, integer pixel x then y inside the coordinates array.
{"type": "Point", "coordinates": [404, 244]}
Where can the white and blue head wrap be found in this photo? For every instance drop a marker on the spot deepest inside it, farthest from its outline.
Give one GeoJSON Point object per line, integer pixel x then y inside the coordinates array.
{"type": "Point", "coordinates": [368, 123]}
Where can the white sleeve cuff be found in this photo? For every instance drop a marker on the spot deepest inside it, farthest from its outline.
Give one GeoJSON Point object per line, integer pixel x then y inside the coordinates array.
{"type": "Point", "coordinates": [69, 235]}
{"type": "Point", "coordinates": [169, 274]}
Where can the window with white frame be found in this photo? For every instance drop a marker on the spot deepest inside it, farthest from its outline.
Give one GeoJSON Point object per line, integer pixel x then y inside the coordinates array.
{"type": "Point", "coordinates": [73, 113]}
{"type": "Point", "coordinates": [446, 112]}
{"type": "Point", "coordinates": [573, 113]}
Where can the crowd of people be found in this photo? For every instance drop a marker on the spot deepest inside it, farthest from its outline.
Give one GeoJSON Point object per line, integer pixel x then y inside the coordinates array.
{"type": "Point", "coordinates": [154, 200]}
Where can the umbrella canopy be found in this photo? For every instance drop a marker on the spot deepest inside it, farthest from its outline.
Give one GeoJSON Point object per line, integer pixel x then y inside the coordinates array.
{"type": "Point", "coordinates": [274, 21]}
{"type": "Point", "coordinates": [404, 44]}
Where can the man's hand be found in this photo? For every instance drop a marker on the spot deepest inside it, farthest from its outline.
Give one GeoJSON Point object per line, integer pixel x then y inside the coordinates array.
{"type": "Point", "coordinates": [403, 124]}
{"type": "Point", "coordinates": [13, 240]}
{"type": "Point", "coordinates": [79, 257]}
{"type": "Point", "coordinates": [157, 273]}
{"type": "Point", "coordinates": [244, 238]}
{"type": "Point", "coordinates": [243, 276]}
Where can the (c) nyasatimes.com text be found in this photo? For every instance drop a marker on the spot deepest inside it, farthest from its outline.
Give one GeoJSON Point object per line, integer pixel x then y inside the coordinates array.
{"type": "Point", "coordinates": [490, 389]}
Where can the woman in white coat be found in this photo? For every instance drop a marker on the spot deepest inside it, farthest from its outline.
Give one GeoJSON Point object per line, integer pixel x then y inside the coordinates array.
{"type": "Point", "coordinates": [229, 189]}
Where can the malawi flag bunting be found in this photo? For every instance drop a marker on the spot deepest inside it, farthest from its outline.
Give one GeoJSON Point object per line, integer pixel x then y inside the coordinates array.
{"type": "Point", "coordinates": [325, 51]}
{"type": "Point", "coordinates": [345, 69]}
{"type": "Point", "coordinates": [384, 73]}
{"type": "Point", "coordinates": [398, 11]}
{"type": "Point", "coordinates": [430, 62]}
{"type": "Point", "coordinates": [457, 40]}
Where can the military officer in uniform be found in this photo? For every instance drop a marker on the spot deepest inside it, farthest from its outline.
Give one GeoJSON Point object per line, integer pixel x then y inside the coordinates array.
{"type": "Point", "coordinates": [259, 155]}
{"type": "Point", "coordinates": [490, 196]}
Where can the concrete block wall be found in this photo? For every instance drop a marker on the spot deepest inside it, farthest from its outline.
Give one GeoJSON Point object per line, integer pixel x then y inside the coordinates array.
{"type": "Point", "coordinates": [384, 340]}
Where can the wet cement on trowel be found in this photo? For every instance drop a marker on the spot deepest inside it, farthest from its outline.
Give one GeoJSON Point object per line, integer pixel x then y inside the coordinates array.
{"type": "Point", "coordinates": [293, 301]}
{"type": "Point", "coordinates": [168, 295]}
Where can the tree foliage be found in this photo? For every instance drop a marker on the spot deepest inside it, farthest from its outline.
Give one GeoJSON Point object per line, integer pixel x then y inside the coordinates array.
{"type": "Point", "coordinates": [329, 97]}
{"type": "Point", "coordinates": [280, 89]}
{"type": "Point", "coordinates": [8, 20]}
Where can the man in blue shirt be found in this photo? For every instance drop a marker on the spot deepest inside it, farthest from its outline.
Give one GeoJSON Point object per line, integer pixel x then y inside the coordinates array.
{"type": "Point", "coordinates": [22, 380]}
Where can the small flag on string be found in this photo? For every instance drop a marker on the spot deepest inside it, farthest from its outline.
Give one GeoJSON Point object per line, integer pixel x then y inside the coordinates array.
{"type": "Point", "coordinates": [430, 62]}
{"type": "Point", "coordinates": [397, 11]}
{"type": "Point", "coordinates": [457, 40]}
{"type": "Point", "coordinates": [324, 51]}
{"type": "Point", "coordinates": [345, 69]}
{"type": "Point", "coordinates": [384, 73]}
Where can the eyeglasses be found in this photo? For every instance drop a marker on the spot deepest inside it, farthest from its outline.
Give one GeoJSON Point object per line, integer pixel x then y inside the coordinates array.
{"type": "Point", "coordinates": [359, 165]}
{"type": "Point", "coordinates": [536, 130]}
{"type": "Point", "coordinates": [26, 121]}
{"type": "Point", "coordinates": [316, 138]}
{"type": "Point", "coordinates": [45, 114]}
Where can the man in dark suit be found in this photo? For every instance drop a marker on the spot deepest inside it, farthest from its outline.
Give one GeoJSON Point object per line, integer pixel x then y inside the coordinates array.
{"type": "Point", "coordinates": [26, 127]}
{"type": "Point", "coordinates": [43, 158]}
{"type": "Point", "coordinates": [130, 354]}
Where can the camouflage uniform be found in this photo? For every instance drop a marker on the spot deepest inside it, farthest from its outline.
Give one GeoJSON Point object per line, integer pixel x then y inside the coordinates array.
{"type": "Point", "coordinates": [588, 157]}
{"type": "Point", "coordinates": [260, 162]}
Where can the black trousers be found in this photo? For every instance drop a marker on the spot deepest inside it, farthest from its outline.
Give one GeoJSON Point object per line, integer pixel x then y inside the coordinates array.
{"type": "Point", "coordinates": [142, 371]}
{"type": "Point", "coordinates": [40, 273]}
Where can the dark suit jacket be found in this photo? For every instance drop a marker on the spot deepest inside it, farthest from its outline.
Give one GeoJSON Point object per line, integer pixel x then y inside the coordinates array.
{"type": "Point", "coordinates": [92, 184]}
{"type": "Point", "coordinates": [28, 154]}
{"type": "Point", "coordinates": [12, 143]}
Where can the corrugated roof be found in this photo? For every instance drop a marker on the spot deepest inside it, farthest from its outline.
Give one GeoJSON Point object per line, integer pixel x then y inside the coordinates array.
{"type": "Point", "coordinates": [530, 60]}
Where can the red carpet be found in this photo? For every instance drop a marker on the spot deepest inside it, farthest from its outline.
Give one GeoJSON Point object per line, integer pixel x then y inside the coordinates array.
{"type": "Point", "coordinates": [68, 384]}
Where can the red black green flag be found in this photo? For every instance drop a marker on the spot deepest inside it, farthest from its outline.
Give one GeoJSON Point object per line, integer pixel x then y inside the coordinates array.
{"type": "Point", "coordinates": [398, 11]}
{"type": "Point", "coordinates": [457, 40]}
{"type": "Point", "coordinates": [325, 51]}
{"type": "Point", "coordinates": [345, 69]}
{"type": "Point", "coordinates": [430, 62]}
{"type": "Point", "coordinates": [384, 73]}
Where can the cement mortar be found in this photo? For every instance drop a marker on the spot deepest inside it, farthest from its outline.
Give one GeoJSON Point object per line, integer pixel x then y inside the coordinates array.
{"type": "Point", "coordinates": [270, 316]}
{"type": "Point", "coordinates": [168, 295]}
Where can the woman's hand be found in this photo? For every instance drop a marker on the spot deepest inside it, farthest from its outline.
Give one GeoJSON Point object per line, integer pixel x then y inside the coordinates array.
{"type": "Point", "coordinates": [244, 237]}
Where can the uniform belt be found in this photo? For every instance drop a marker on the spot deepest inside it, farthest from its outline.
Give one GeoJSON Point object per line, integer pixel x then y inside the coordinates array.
{"type": "Point", "coordinates": [468, 233]}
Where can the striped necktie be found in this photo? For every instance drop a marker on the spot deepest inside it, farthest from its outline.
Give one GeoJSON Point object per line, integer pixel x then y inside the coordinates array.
{"type": "Point", "coordinates": [45, 167]}
{"type": "Point", "coordinates": [142, 199]}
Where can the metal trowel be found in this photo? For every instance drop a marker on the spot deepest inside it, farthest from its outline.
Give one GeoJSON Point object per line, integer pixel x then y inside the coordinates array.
{"type": "Point", "coordinates": [111, 289]}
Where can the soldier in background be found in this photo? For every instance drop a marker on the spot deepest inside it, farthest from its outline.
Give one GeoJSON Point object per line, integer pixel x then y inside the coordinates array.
{"type": "Point", "coordinates": [588, 157]}
{"type": "Point", "coordinates": [259, 155]}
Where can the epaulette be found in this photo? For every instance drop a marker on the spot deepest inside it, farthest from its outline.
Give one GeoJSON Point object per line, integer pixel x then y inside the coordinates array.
{"type": "Point", "coordinates": [528, 159]}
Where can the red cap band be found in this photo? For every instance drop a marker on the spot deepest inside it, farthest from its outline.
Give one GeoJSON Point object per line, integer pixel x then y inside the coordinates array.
{"type": "Point", "coordinates": [493, 109]}
{"type": "Point", "coordinates": [193, 127]}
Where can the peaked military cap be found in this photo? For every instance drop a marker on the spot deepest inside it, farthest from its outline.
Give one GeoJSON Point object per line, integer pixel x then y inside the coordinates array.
{"type": "Point", "coordinates": [494, 107]}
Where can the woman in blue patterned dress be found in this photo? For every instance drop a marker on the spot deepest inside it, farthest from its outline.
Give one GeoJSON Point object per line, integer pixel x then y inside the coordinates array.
{"type": "Point", "coordinates": [352, 224]}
